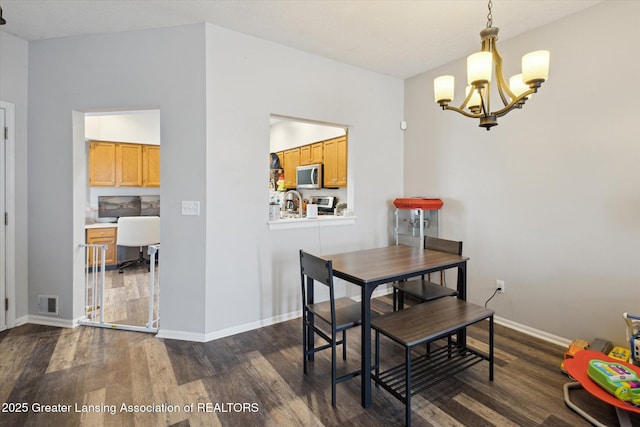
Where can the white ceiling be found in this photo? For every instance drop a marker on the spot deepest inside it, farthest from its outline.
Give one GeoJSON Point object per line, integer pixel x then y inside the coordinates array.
{"type": "Point", "coordinates": [400, 38]}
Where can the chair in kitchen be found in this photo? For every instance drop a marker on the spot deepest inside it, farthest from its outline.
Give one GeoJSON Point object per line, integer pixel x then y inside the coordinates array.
{"type": "Point", "coordinates": [423, 289]}
{"type": "Point", "coordinates": [137, 231]}
{"type": "Point", "coordinates": [337, 315]}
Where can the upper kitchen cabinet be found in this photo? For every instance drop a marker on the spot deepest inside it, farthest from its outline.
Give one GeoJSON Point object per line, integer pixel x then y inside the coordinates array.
{"type": "Point", "coordinates": [128, 165]}
{"type": "Point", "coordinates": [151, 165]}
{"type": "Point", "coordinates": [102, 164]}
{"type": "Point", "coordinates": [311, 154]}
{"type": "Point", "coordinates": [335, 162]}
{"type": "Point", "coordinates": [291, 162]}
{"type": "Point", "coordinates": [114, 164]}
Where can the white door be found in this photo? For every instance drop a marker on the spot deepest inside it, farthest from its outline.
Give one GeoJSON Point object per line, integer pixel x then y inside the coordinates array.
{"type": "Point", "coordinates": [3, 227]}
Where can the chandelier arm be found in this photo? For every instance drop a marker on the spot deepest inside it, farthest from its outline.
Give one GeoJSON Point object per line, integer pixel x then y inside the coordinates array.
{"type": "Point", "coordinates": [516, 102]}
{"type": "Point", "coordinates": [485, 100]}
{"type": "Point", "coordinates": [501, 82]}
{"type": "Point", "coordinates": [466, 100]}
{"type": "Point", "coordinates": [463, 112]}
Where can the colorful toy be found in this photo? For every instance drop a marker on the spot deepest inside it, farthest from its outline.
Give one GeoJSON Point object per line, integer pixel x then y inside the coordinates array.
{"type": "Point", "coordinates": [633, 336]}
{"type": "Point", "coordinates": [575, 346]}
{"type": "Point", "coordinates": [615, 378]}
{"type": "Point", "coordinates": [620, 353]}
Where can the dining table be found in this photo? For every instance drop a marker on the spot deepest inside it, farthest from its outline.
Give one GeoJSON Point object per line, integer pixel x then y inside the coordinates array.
{"type": "Point", "coordinates": [370, 268]}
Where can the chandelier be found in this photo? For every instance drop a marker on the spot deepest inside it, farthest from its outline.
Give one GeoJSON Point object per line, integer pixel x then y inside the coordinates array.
{"type": "Point", "coordinates": [535, 70]}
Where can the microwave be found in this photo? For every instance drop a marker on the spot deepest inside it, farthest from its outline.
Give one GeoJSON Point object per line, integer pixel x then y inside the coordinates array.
{"type": "Point", "coordinates": [309, 176]}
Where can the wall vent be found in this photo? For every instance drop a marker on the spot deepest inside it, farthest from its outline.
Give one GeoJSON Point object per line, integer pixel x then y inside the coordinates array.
{"type": "Point", "coordinates": [47, 304]}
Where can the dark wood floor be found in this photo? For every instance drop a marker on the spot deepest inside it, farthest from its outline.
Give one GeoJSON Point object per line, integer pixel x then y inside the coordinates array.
{"type": "Point", "coordinates": [255, 379]}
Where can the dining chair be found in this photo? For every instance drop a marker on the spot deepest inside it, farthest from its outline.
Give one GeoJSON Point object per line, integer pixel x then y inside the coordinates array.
{"type": "Point", "coordinates": [337, 314]}
{"type": "Point", "coordinates": [423, 289]}
{"type": "Point", "coordinates": [137, 231]}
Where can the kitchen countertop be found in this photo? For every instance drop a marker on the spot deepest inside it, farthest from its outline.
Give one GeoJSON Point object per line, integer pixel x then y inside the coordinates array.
{"type": "Point", "coordinates": [101, 225]}
{"type": "Point", "coordinates": [320, 221]}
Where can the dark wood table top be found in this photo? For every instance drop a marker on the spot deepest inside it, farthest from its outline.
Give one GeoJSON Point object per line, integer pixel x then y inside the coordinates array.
{"type": "Point", "coordinates": [390, 263]}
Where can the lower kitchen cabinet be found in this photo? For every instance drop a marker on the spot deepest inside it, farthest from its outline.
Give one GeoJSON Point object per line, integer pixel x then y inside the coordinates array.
{"type": "Point", "coordinates": [104, 236]}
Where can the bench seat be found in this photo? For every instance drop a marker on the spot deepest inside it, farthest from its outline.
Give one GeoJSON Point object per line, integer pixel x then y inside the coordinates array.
{"type": "Point", "coordinates": [425, 323]}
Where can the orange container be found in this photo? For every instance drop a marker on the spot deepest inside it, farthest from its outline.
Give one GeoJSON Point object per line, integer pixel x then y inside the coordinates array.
{"type": "Point", "coordinates": [418, 203]}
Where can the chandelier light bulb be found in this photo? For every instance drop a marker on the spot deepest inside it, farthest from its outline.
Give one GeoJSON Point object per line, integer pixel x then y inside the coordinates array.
{"type": "Point", "coordinates": [479, 67]}
{"type": "Point", "coordinates": [443, 89]}
{"type": "Point", "coordinates": [535, 67]}
{"type": "Point", "coordinates": [474, 101]}
{"type": "Point", "coordinates": [517, 86]}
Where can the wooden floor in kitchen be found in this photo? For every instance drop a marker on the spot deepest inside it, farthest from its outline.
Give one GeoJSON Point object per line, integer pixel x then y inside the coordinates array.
{"type": "Point", "coordinates": [120, 378]}
{"type": "Point", "coordinates": [126, 296]}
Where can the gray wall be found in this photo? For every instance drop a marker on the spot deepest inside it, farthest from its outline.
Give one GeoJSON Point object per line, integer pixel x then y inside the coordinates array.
{"type": "Point", "coordinates": [224, 270]}
{"type": "Point", "coordinates": [249, 79]}
{"type": "Point", "coordinates": [155, 69]}
{"type": "Point", "coordinates": [549, 199]}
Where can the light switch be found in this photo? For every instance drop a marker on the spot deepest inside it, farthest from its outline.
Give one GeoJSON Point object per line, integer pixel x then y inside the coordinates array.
{"type": "Point", "coordinates": [191, 207]}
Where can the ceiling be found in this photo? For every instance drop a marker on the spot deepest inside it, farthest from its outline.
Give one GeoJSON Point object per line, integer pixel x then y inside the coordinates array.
{"type": "Point", "coordinates": [400, 38]}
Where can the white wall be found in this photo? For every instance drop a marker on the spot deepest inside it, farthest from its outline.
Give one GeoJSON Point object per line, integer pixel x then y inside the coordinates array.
{"type": "Point", "coordinates": [549, 199]}
{"type": "Point", "coordinates": [141, 127]}
{"type": "Point", "coordinates": [14, 64]}
{"type": "Point", "coordinates": [287, 134]}
{"type": "Point", "coordinates": [161, 69]}
{"type": "Point", "coordinates": [253, 273]}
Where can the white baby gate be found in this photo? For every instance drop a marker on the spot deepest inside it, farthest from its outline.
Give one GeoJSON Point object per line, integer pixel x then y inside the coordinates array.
{"type": "Point", "coordinates": [95, 276]}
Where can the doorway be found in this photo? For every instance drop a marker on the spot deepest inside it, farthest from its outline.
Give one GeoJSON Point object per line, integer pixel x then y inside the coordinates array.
{"type": "Point", "coordinates": [128, 299]}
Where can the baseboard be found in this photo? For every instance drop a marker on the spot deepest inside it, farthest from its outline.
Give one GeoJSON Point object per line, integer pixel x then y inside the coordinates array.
{"type": "Point", "coordinates": [51, 321]}
{"type": "Point", "coordinates": [545, 336]}
{"type": "Point", "coordinates": [211, 336]}
{"type": "Point", "coordinates": [22, 320]}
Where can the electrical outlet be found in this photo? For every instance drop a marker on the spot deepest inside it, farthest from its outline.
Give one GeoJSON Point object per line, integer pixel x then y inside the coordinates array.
{"type": "Point", "coordinates": [500, 286]}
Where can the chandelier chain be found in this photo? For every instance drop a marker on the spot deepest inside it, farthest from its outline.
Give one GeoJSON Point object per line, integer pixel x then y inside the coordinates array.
{"type": "Point", "coordinates": [489, 16]}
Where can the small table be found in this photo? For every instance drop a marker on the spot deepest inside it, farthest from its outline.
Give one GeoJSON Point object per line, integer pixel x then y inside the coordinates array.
{"type": "Point", "coordinates": [577, 369]}
{"type": "Point", "coordinates": [370, 268]}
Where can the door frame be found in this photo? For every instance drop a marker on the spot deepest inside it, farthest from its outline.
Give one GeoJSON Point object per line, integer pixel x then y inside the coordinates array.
{"type": "Point", "coordinates": [8, 280]}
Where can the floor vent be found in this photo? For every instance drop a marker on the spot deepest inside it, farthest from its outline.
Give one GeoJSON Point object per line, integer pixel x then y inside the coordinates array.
{"type": "Point", "coordinates": [47, 304]}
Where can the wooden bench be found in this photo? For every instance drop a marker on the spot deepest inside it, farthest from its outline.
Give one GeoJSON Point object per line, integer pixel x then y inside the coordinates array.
{"type": "Point", "coordinates": [425, 323]}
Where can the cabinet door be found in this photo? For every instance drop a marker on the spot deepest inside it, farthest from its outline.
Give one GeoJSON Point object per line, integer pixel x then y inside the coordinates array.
{"type": "Point", "coordinates": [341, 162]}
{"type": "Point", "coordinates": [104, 236]}
{"type": "Point", "coordinates": [330, 157]}
{"type": "Point", "coordinates": [291, 162]}
{"type": "Point", "coordinates": [317, 151]}
{"type": "Point", "coordinates": [102, 164]}
{"type": "Point", "coordinates": [129, 162]}
{"type": "Point", "coordinates": [335, 162]}
{"type": "Point", "coordinates": [311, 154]}
{"type": "Point", "coordinates": [305, 155]}
{"type": "Point", "coordinates": [151, 165]}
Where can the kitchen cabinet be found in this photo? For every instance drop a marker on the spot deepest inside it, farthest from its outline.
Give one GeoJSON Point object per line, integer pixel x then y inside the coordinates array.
{"type": "Point", "coordinates": [335, 162]}
{"type": "Point", "coordinates": [128, 165]}
{"type": "Point", "coordinates": [151, 165]}
{"type": "Point", "coordinates": [102, 164]}
{"type": "Point", "coordinates": [104, 236]}
{"type": "Point", "coordinates": [311, 154]}
{"type": "Point", "coordinates": [291, 162]}
{"type": "Point", "coordinates": [115, 164]}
